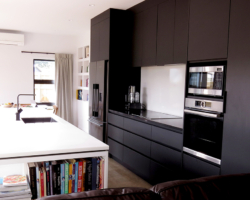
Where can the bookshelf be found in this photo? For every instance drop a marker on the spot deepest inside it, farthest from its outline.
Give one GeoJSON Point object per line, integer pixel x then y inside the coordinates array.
{"type": "Point", "coordinates": [82, 92]}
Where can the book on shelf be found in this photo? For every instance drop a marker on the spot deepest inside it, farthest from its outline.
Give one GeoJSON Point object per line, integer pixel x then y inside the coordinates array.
{"type": "Point", "coordinates": [94, 173]}
{"type": "Point", "coordinates": [32, 175]}
{"type": "Point", "coordinates": [58, 178]}
{"type": "Point", "coordinates": [46, 164]}
{"type": "Point", "coordinates": [101, 182]}
{"type": "Point", "coordinates": [62, 167]}
{"type": "Point", "coordinates": [66, 177]}
{"type": "Point", "coordinates": [84, 162]}
{"type": "Point", "coordinates": [76, 176]}
{"type": "Point", "coordinates": [38, 180]}
{"type": "Point", "coordinates": [88, 179]}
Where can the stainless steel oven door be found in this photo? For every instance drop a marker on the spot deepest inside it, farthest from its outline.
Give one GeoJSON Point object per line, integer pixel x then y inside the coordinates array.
{"type": "Point", "coordinates": [206, 80]}
{"type": "Point", "coordinates": [203, 135]}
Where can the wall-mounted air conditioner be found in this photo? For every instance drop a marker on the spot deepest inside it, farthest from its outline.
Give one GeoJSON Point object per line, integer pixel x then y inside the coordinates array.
{"type": "Point", "coordinates": [12, 39]}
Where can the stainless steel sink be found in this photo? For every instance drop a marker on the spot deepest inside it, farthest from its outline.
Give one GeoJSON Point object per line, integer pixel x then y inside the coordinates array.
{"type": "Point", "coordinates": [38, 120]}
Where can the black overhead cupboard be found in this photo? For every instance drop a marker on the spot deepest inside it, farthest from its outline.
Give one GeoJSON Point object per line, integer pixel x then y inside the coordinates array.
{"type": "Point", "coordinates": [208, 29]}
{"type": "Point", "coordinates": [160, 33]}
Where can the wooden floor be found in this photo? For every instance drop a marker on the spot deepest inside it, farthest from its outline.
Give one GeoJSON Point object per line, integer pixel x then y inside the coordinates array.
{"type": "Point", "coordinates": [120, 176]}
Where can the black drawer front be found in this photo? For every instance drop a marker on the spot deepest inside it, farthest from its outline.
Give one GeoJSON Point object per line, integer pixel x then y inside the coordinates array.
{"type": "Point", "coordinates": [195, 168]}
{"type": "Point", "coordinates": [160, 174]}
{"type": "Point", "coordinates": [166, 156]}
{"type": "Point", "coordinates": [137, 127]}
{"type": "Point", "coordinates": [115, 149]}
{"type": "Point", "coordinates": [115, 133]}
{"type": "Point", "coordinates": [137, 143]}
{"type": "Point", "coordinates": [137, 162]}
{"type": "Point", "coordinates": [167, 137]}
{"type": "Point", "coordinates": [115, 120]}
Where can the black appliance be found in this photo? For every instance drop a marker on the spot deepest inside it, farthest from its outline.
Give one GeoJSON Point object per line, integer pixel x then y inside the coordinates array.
{"type": "Point", "coordinates": [206, 80]}
{"type": "Point", "coordinates": [203, 129]}
{"type": "Point", "coordinates": [98, 99]}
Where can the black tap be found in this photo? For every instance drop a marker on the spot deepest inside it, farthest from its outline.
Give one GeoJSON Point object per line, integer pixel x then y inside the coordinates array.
{"type": "Point", "coordinates": [20, 110]}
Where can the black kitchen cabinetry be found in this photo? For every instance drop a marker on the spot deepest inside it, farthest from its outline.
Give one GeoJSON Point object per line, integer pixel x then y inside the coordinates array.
{"type": "Point", "coordinates": [165, 33]}
{"type": "Point", "coordinates": [111, 39]}
{"type": "Point", "coordinates": [144, 38]}
{"type": "Point", "coordinates": [194, 167]}
{"type": "Point", "coordinates": [208, 29]}
{"type": "Point", "coordinates": [100, 30]}
{"type": "Point", "coordinates": [236, 134]}
{"type": "Point", "coordinates": [142, 153]}
{"type": "Point", "coordinates": [160, 33]}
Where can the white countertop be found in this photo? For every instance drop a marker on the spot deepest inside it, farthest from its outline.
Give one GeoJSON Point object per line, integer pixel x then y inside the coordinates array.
{"type": "Point", "coordinates": [19, 139]}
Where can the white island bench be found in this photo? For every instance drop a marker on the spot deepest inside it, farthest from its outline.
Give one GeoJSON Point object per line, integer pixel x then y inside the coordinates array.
{"type": "Point", "coordinates": [24, 143]}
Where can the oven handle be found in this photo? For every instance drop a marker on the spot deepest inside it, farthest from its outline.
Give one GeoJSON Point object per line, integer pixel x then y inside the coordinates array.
{"type": "Point", "coordinates": [202, 113]}
{"type": "Point", "coordinates": [202, 155]}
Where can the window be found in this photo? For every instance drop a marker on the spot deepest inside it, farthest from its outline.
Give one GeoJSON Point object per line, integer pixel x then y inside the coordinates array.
{"type": "Point", "coordinates": [44, 78]}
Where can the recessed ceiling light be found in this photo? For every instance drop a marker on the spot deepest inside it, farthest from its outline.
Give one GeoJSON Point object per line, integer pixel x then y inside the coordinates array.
{"type": "Point", "coordinates": [70, 20]}
{"type": "Point", "coordinates": [91, 5]}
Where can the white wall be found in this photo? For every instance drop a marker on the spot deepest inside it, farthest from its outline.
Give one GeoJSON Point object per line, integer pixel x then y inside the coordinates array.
{"type": "Point", "coordinates": [162, 88]}
{"type": "Point", "coordinates": [16, 68]}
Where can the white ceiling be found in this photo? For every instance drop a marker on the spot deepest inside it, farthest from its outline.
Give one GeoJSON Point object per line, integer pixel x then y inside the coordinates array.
{"type": "Point", "coordinates": [66, 17]}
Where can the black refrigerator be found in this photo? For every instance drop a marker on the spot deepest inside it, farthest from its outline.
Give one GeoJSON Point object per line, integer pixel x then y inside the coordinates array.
{"type": "Point", "coordinates": [98, 99]}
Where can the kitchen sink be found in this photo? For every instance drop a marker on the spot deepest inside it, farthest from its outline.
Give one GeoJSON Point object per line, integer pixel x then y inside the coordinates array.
{"type": "Point", "coordinates": [38, 120]}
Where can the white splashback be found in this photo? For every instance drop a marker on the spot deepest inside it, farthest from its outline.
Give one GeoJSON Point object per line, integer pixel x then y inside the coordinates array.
{"type": "Point", "coordinates": [162, 88]}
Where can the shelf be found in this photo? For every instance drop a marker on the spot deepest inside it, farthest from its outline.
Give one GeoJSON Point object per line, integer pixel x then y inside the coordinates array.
{"type": "Point", "coordinates": [83, 59]}
{"type": "Point", "coordinates": [83, 88]}
{"type": "Point", "coordinates": [84, 74]}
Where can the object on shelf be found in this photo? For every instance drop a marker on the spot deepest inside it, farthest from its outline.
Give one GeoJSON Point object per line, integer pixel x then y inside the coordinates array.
{"type": "Point", "coordinates": [87, 52]}
{"type": "Point", "coordinates": [80, 53]}
{"type": "Point", "coordinates": [69, 176]}
{"type": "Point", "coordinates": [81, 83]}
{"type": "Point", "coordinates": [87, 68]}
{"type": "Point", "coordinates": [81, 69]}
{"type": "Point", "coordinates": [87, 82]}
{"type": "Point", "coordinates": [87, 97]}
{"type": "Point", "coordinates": [79, 94]}
{"type": "Point", "coordinates": [15, 191]}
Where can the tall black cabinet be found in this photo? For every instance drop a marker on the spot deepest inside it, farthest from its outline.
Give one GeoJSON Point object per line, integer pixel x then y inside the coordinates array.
{"type": "Point", "coordinates": [236, 136]}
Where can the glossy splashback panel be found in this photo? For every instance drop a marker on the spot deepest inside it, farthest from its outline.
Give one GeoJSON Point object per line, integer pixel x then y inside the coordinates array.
{"type": "Point", "coordinates": [162, 88]}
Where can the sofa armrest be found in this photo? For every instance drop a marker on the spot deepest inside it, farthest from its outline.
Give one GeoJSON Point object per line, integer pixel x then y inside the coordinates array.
{"type": "Point", "coordinates": [109, 194]}
{"type": "Point", "coordinates": [215, 187]}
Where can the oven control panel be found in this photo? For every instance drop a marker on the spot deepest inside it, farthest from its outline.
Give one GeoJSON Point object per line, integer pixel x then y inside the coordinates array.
{"type": "Point", "coordinates": [203, 104]}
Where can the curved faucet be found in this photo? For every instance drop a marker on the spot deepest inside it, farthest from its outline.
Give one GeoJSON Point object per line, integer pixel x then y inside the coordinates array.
{"type": "Point", "coordinates": [20, 110]}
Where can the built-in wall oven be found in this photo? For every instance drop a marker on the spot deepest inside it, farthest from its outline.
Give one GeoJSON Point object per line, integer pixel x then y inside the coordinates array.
{"type": "Point", "coordinates": [203, 129]}
{"type": "Point", "coordinates": [206, 80]}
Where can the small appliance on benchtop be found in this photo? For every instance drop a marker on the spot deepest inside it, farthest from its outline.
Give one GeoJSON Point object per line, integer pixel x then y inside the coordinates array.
{"type": "Point", "coordinates": [132, 100]}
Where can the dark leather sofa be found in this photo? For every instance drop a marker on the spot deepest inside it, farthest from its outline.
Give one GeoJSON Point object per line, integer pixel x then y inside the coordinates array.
{"type": "Point", "coordinates": [229, 187]}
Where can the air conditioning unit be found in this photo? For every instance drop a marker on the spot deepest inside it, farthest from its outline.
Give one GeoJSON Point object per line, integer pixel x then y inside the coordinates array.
{"type": "Point", "coordinates": [12, 39]}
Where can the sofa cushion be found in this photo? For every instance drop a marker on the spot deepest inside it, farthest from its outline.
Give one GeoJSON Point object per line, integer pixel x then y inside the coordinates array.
{"type": "Point", "coordinates": [215, 187]}
{"type": "Point", "coordinates": [109, 194]}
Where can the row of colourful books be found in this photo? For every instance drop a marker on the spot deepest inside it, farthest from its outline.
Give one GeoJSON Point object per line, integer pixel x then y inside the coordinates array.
{"type": "Point", "coordinates": [66, 176]}
{"type": "Point", "coordinates": [14, 187]}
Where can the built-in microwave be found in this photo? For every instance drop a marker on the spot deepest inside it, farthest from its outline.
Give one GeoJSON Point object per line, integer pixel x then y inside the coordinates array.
{"type": "Point", "coordinates": [206, 80]}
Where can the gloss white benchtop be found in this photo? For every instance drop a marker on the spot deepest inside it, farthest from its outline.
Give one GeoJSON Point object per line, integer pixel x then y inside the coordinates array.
{"type": "Point", "coordinates": [18, 139]}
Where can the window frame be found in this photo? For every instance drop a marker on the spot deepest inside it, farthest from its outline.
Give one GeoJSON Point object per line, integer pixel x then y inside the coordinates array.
{"type": "Point", "coordinates": [41, 82]}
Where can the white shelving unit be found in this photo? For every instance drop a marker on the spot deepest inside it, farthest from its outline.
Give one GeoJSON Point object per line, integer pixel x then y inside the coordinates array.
{"type": "Point", "coordinates": [83, 86]}
{"type": "Point", "coordinates": [83, 73]}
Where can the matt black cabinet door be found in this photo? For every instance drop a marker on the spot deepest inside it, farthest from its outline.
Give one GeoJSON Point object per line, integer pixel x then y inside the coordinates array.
{"type": "Point", "coordinates": [115, 149]}
{"type": "Point", "coordinates": [137, 40]}
{"type": "Point", "coordinates": [94, 43]}
{"type": "Point", "coordinates": [149, 37]}
{"type": "Point", "coordinates": [194, 168]}
{"type": "Point", "coordinates": [236, 134]}
{"type": "Point", "coordinates": [104, 39]}
{"type": "Point", "coordinates": [160, 174]}
{"type": "Point", "coordinates": [137, 162]}
{"type": "Point", "coordinates": [165, 33]}
{"type": "Point", "coordinates": [181, 31]}
{"type": "Point", "coordinates": [208, 29]}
